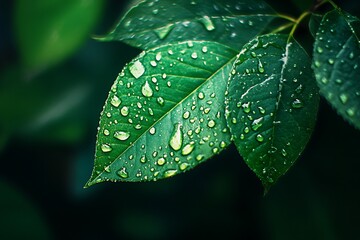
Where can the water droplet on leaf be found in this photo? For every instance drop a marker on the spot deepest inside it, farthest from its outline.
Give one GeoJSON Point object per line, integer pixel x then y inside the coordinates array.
{"type": "Point", "coordinates": [137, 69]}
{"type": "Point", "coordinates": [121, 135]}
{"type": "Point", "coordinates": [176, 139]}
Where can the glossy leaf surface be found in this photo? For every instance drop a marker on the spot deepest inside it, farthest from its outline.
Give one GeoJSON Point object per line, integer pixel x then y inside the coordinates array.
{"type": "Point", "coordinates": [229, 22]}
{"type": "Point", "coordinates": [271, 104]}
{"type": "Point", "coordinates": [314, 23]}
{"type": "Point", "coordinates": [164, 113]}
{"type": "Point", "coordinates": [337, 63]}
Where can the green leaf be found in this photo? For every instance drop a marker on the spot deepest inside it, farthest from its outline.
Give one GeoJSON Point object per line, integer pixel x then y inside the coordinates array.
{"type": "Point", "coordinates": [230, 22]}
{"type": "Point", "coordinates": [337, 63]}
{"type": "Point", "coordinates": [314, 23]}
{"type": "Point", "coordinates": [164, 113]}
{"type": "Point", "coordinates": [48, 31]}
{"type": "Point", "coordinates": [271, 104]}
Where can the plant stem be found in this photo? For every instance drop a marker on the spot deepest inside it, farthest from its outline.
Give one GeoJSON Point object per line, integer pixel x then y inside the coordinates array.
{"type": "Point", "coordinates": [297, 22]}
{"type": "Point", "coordinates": [282, 27]}
{"type": "Point", "coordinates": [289, 18]}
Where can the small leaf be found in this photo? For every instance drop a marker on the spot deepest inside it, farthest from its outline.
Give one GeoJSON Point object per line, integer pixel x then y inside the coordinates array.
{"type": "Point", "coordinates": [314, 23]}
{"type": "Point", "coordinates": [49, 31]}
{"type": "Point", "coordinates": [230, 22]}
{"type": "Point", "coordinates": [164, 113]}
{"type": "Point", "coordinates": [271, 104]}
{"type": "Point", "coordinates": [337, 63]}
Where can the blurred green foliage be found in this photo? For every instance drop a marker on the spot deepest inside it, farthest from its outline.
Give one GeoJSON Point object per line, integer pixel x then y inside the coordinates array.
{"type": "Point", "coordinates": [48, 123]}
{"type": "Point", "coordinates": [49, 31]}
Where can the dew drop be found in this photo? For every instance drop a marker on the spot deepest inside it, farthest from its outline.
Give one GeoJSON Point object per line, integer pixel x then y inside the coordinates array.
{"type": "Point", "coordinates": [319, 49]}
{"type": "Point", "coordinates": [121, 135]}
{"type": "Point", "coordinates": [246, 107]}
{"type": "Point", "coordinates": [194, 55]}
{"type": "Point", "coordinates": [283, 152]}
{"type": "Point", "coordinates": [259, 138]}
{"type": "Point", "coordinates": [106, 148]}
{"type": "Point", "coordinates": [176, 138]}
{"type": "Point", "coordinates": [351, 55]}
{"type": "Point", "coordinates": [143, 159]}
{"type": "Point", "coordinates": [115, 101]}
{"type": "Point", "coordinates": [343, 98]}
{"type": "Point", "coordinates": [188, 148]}
{"type": "Point", "coordinates": [317, 64]}
{"type": "Point", "coordinates": [146, 90]}
{"type": "Point", "coordinates": [208, 24]}
{"type": "Point", "coordinates": [137, 69]}
{"type": "Point", "coordinates": [160, 101]}
{"type": "Point", "coordinates": [215, 150]}
{"type": "Point", "coordinates": [124, 111]}
{"type": "Point", "coordinates": [201, 95]}
{"type": "Point", "coordinates": [170, 173]}
{"type": "Point", "coordinates": [152, 131]}
{"type": "Point", "coordinates": [297, 104]}
{"type": "Point", "coordinates": [350, 112]}
{"type": "Point", "coordinates": [257, 123]}
{"type": "Point", "coordinates": [211, 124]}
{"type": "Point", "coordinates": [331, 61]}
{"type": "Point", "coordinates": [158, 56]}
{"type": "Point", "coordinates": [161, 161]}
{"type": "Point", "coordinates": [261, 68]}
{"type": "Point", "coordinates": [162, 32]}
{"type": "Point", "coordinates": [261, 110]}
{"type": "Point", "coordinates": [200, 157]}
{"type": "Point", "coordinates": [222, 144]}
{"type": "Point", "coordinates": [106, 132]}
{"type": "Point", "coordinates": [186, 115]}
{"type": "Point", "coordinates": [204, 49]}
{"type": "Point", "coordinates": [122, 173]}
{"type": "Point", "coordinates": [107, 169]}
{"type": "Point", "coordinates": [183, 166]}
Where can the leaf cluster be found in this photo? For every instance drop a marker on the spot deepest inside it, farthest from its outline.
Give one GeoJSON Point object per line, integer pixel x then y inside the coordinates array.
{"type": "Point", "coordinates": [217, 72]}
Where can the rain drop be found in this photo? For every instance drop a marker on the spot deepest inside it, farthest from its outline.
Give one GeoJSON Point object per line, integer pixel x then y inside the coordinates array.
{"type": "Point", "coordinates": [122, 173]}
{"type": "Point", "coordinates": [211, 124]}
{"type": "Point", "coordinates": [343, 98]}
{"type": "Point", "coordinates": [183, 166]}
{"type": "Point", "coordinates": [186, 115]}
{"type": "Point", "coordinates": [160, 101]}
{"type": "Point", "coordinates": [106, 132]}
{"type": "Point", "coordinates": [169, 173]}
{"type": "Point", "coordinates": [259, 138]}
{"type": "Point", "coordinates": [121, 135]}
{"type": "Point", "coordinates": [137, 69]}
{"type": "Point", "coordinates": [201, 95]}
{"type": "Point", "coordinates": [164, 31]}
{"type": "Point", "coordinates": [176, 138]}
{"type": "Point", "coordinates": [115, 101]}
{"type": "Point", "coordinates": [152, 131]}
{"type": "Point", "coordinates": [124, 111]}
{"type": "Point", "coordinates": [261, 67]}
{"type": "Point", "coordinates": [257, 123]}
{"type": "Point", "coordinates": [246, 107]}
{"type": "Point", "coordinates": [350, 112]}
{"type": "Point", "coordinates": [208, 24]}
{"type": "Point", "coordinates": [106, 148]}
{"type": "Point", "coordinates": [146, 90]}
{"type": "Point", "coordinates": [161, 161]}
{"type": "Point", "coordinates": [297, 104]}
{"type": "Point", "coordinates": [188, 148]}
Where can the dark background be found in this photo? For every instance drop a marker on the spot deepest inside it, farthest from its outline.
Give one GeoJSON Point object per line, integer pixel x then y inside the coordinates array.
{"type": "Point", "coordinates": [48, 121]}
